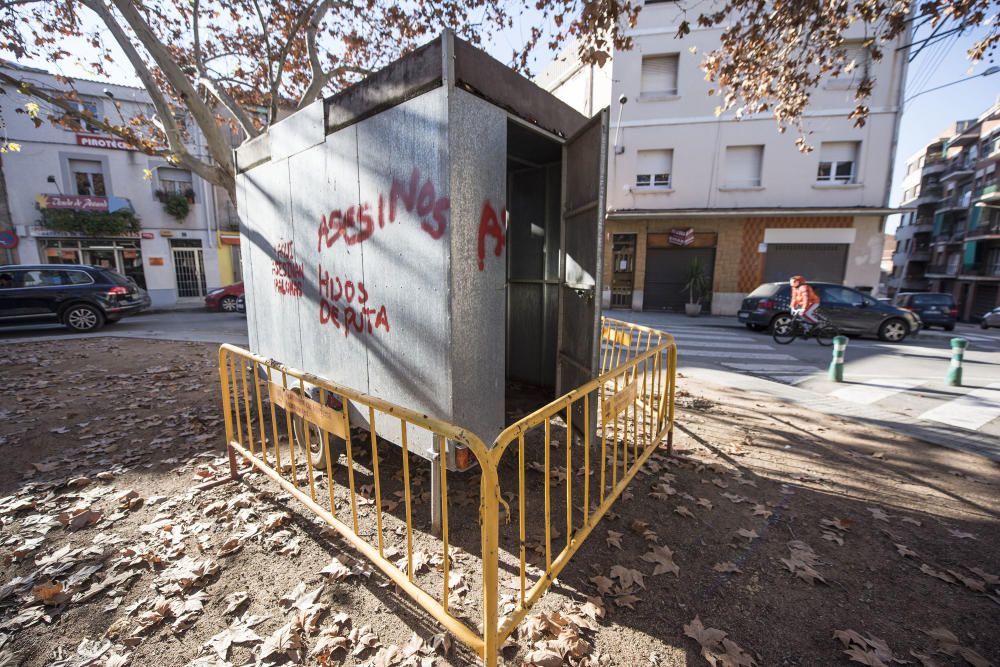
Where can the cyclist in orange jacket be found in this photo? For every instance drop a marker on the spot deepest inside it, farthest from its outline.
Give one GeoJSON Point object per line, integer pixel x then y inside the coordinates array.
{"type": "Point", "coordinates": [805, 301]}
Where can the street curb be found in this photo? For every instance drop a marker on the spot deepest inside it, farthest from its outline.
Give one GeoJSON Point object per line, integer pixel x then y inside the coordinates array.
{"type": "Point", "coordinates": [950, 437]}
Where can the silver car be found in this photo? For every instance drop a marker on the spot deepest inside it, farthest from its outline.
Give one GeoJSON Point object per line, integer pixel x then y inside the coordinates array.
{"type": "Point", "coordinates": [990, 319]}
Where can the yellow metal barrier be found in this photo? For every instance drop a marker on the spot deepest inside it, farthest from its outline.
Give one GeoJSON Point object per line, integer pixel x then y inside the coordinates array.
{"type": "Point", "coordinates": [625, 414]}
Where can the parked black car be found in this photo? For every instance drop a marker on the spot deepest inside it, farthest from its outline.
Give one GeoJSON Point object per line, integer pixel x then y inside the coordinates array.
{"type": "Point", "coordinates": [933, 308]}
{"type": "Point", "coordinates": [81, 297]}
{"type": "Point", "coordinates": [851, 311]}
{"type": "Point", "coordinates": [241, 304]}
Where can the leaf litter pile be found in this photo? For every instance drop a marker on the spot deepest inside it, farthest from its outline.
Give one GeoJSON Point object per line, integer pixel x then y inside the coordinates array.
{"type": "Point", "coordinates": [771, 537]}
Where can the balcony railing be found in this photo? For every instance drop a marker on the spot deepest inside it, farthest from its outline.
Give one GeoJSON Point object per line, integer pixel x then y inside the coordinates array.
{"type": "Point", "coordinates": [941, 270]}
{"type": "Point", "coordinates": [982, 269]}
{"type": "Point", "coordinates": [985, 229]}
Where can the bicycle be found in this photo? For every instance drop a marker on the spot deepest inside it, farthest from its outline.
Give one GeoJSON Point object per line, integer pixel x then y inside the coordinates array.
{"type": "Point", "coordinates": [786, 332]}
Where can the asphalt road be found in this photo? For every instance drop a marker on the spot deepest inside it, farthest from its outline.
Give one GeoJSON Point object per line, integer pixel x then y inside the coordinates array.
{"type": "Point", "coordinates": [905, 378]}
{"type": "Point", "coordinates": [200, 326]}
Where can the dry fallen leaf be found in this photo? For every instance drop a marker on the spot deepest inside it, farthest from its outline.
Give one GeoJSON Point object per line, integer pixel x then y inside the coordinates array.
{"type": "Point", "coordinates": [726, 567]}
{"type": "Point", "coordinates": [683, 511]}
{"type": "Point", "coordinates": [614, 539]}
{"type": "Point", "coordinates": [603, 584]}
{"type": "Point", "coordinates": [627, 577]}
{"type": "Point", "coordinates": [664, 559]}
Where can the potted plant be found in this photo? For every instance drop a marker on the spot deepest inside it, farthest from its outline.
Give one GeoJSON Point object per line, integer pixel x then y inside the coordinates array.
{"type": "Point", "coordinates": [696, 287]}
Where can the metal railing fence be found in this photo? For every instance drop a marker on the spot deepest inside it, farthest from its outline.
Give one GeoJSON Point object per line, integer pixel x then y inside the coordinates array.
{"type": "Point", "coordinates": [296, 429]}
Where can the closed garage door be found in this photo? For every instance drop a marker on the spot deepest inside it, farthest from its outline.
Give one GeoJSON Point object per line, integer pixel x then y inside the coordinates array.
{"type": "Point", "coordinates": [983, 301]}
{"type": "Point", "coordinates": [667, 272]}
{"type": "Point", "coordinates": [824, 262]}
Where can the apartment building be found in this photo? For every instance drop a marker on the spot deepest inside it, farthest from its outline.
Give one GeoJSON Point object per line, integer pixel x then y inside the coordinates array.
{"type": "Point", "coordinates": [685, 184]}
{"type": "Point", "coordinates": [76, 195]}
{"type": "Point", "coordinates": [950, 240]}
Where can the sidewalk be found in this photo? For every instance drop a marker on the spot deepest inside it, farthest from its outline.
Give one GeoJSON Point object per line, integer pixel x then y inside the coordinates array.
{"type": "Point", "coordinates": [936, 434]}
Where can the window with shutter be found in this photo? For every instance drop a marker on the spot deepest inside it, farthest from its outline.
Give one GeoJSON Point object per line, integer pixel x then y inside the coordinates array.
{"type": "Point", "coordinates": [659, 75]}
{"type": "Point", "coordinates": [838, 162]}
{"type": "Point", "coordinates": [743, 166]}
{"type": "Point", "coordinates": [654, 168]}
{"type": "Point", "coordinates": [88, 177]}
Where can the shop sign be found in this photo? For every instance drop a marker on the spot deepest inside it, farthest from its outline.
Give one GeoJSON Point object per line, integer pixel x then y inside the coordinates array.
{"type": "Point", "coordinates": [8, 239]}
{"type": "Point", "coordinates": [130, 253]}
{"type": "Point", "coordinates": [681, 237]}
{"type": "Point", "coordinates": [230, 240]}
{"type": "Point", "coordinates": [44, 232]}
{"type": "Point", "coordinates": [69, 254]}
{"type": "Point", "coordinates": [166, 233]}
{"type": "Point", "coordinates": [148, 235]}
{"type": "Point", "coordinates": [156, 261]}
{"type": "Point", "coordinates": [74, 202]}
{"type": "Point", "coordinates": [100, 141]}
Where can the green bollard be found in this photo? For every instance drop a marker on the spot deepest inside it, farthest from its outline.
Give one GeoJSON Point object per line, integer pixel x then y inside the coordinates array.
{"type": "Point", "coordinates": [837, 365]}
{"type": "Point", "coordinates": [958, 346]}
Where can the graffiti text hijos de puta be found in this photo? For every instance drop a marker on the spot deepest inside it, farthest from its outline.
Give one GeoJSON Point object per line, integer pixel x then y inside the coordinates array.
{"type": "Point", "coordinates": [344, 303]}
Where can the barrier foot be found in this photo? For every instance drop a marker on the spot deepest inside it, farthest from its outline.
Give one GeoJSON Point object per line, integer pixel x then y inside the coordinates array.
{"type": "Point", "coordinates": [670, 442]}
{"type": "Point", "coordinates": [234, 471]}
{"type": "Point", "coordinates": [436, 489]}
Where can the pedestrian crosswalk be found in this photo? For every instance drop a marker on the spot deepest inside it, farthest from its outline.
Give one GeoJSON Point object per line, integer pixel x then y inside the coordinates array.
{"type": "Point", "coordinates": [920, 396]}
{"type": "Point", "coordinates": [971, 411]}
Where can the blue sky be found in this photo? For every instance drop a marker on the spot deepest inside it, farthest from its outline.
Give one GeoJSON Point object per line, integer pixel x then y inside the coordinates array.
{"type": "Point", "coordinates": [925, 115]}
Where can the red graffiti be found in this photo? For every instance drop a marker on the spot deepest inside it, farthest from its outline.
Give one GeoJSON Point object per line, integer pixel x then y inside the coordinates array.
{"type": "Point", "coordinates": [357, 223]}
{"type": "Point", "coordinates": [489, 225]}
{"type": "Point", "coordinates": [344, 304]}
{"type": "Point", "coordinates": [288, 273]}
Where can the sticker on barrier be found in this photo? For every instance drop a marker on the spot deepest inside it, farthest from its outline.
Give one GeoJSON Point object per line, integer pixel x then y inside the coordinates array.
{"type": "Point", "coordinates": [572, 458]}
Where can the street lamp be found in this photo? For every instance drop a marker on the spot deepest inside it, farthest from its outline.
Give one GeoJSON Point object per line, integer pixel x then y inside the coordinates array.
{"type": "Point", "coordinates": [990, 71]}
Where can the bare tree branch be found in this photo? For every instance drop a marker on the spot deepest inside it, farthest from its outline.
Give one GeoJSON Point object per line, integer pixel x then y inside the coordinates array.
{"type": "Point", "coordinates": [203, 116]}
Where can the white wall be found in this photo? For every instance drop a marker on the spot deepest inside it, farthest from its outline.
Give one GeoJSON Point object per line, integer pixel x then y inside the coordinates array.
{"type": "Point", "coordinates": [46, 150]}
{"type": "Point", "coordinates": [687, 124]}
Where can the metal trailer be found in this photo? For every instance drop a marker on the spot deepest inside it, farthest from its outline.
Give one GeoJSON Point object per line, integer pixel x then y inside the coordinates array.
{"type": "Point", "coordinates": [426, 236]}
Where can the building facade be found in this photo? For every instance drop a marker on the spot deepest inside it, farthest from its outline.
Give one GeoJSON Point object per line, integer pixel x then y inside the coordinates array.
{"type": "Point", "coordinates": [950, 239]}
{"type": "Point", "coordinates": [70, 189]}
{"type": "Point", "coordinates": [687, 185]}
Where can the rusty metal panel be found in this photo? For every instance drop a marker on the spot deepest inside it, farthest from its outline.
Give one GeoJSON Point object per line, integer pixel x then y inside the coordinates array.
{"type": "Point", "coordinates": [477, 146]}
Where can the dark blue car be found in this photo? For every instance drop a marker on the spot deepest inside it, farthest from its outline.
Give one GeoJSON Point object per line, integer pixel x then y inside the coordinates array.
{"type": "Point", "coordinates": [934, 309]}
{"type": "Point", "coordinates": [81, 297]}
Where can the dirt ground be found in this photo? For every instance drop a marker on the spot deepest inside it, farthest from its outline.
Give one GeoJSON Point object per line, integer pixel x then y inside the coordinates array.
{"type": "Point", "coordinates": [805, 540]}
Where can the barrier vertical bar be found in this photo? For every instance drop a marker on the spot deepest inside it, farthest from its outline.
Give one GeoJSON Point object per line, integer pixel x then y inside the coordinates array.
{"type": "Point", "coordinates": [378, 486]}
{"type": "Point", "coordinates": [520, 511]}
{"type": "Point", "coordinates": [227, 413]}
{"type": "Point", "coordinates": [586, 458]}
{"type": "Point", "coordinates": [569, 473]}
{"type": "Point", "coordinates": [406, 495]}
